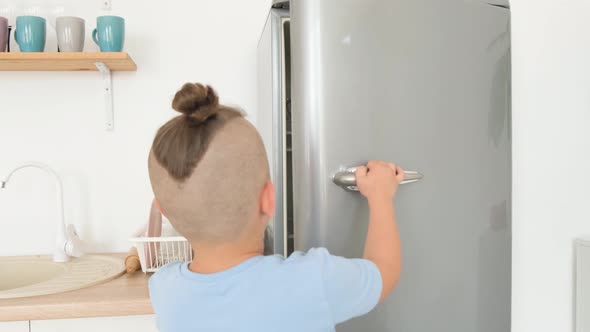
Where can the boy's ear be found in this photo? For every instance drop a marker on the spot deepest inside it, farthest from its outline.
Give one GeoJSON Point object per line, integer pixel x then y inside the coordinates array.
{"type": "Point", "coordinates": [267, 200]}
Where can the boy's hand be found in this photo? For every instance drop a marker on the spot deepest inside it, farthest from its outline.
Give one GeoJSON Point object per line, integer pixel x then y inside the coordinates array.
{"type": "Point", "coordinates": [379, 180]}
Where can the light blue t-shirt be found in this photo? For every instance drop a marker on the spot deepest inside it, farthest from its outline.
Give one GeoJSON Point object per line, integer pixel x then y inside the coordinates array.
{"type": "Point", "coordinates": [308, 292]}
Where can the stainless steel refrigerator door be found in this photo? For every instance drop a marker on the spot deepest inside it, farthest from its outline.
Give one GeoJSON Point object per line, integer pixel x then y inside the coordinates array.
{"type": "Point", "coordinates": [426, 84]}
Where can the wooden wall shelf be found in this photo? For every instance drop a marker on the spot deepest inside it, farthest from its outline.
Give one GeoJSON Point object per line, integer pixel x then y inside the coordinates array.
{"type": "Point", "coordinates": [53, 61]}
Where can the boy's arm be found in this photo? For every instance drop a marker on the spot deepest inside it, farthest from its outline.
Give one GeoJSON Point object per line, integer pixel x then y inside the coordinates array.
{"type": "Point", "coordinates": [378, 182]}
{"type": "Point", "coordinates": [382, 246]}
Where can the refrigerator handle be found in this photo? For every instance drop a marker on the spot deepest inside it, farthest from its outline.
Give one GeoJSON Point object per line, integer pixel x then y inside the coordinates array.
{"type": "Point", "coordinates": [347, 180]}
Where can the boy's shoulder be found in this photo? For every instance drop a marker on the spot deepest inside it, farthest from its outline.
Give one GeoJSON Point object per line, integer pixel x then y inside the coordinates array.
{"type": "Point", "coordinates": [313, 255]}
{"type": "Point", "coordinates": [166, 272]}
{"type": "Point", "coordinates": [169, 268]}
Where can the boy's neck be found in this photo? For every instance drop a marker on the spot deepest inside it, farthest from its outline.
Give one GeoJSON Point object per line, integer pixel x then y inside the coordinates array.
{"type": "Point", "coordinates": [216, 258]}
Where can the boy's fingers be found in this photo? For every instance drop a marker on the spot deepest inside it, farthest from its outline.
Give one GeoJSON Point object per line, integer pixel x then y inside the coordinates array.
{"type": "Point", "coordinates": [400, 174]}
{"type": "Point", "coordinates": [361, 171]}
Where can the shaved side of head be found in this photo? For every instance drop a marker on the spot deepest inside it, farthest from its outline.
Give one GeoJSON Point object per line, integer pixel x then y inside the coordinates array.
{"type": "Point", "coordinates": [215, 198]}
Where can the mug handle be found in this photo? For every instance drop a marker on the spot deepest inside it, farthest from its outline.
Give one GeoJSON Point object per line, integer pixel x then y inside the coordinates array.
{"type": "Point", "coordinates": [16, 39]}
{"type": "Point", "coordinates": [8, 43]}
{"type": "Point", "coordinates": [95, 36]}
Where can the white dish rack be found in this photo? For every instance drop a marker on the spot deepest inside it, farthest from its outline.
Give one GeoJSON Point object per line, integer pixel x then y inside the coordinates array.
{"type": "Point", "coordinates": [155, 252]}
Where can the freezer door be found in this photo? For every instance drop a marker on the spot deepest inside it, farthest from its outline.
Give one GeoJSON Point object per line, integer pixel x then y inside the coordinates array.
{"type": "Point", "coordinates": [426, 84]}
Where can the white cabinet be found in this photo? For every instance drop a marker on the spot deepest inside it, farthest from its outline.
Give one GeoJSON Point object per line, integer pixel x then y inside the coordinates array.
{"type": "Point", "coordinates": [14, 326]}
{"type": "Point", "coordinates": [111, 324]}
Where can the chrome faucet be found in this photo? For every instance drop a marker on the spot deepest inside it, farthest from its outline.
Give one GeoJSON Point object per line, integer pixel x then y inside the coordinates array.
{"type": "Point", "coordinates": [67, 243]}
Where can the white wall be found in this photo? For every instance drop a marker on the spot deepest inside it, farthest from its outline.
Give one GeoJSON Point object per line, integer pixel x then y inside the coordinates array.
{"type": "Point", "coordinates": [58, 118]}
{"type": "Point", "coordinates": [551, 142]}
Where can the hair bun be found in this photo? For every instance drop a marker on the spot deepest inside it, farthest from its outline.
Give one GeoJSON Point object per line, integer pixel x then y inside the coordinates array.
{"type": "Point", "coordinates": [197, 101]}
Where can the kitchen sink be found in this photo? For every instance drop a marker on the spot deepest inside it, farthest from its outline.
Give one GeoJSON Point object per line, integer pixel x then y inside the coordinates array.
{"type": "Point", "coordinates": [39, 275]}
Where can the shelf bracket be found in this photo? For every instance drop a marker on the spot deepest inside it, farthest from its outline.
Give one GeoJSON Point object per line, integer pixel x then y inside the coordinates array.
{"type": "Point", "coordinates": [108, 94]}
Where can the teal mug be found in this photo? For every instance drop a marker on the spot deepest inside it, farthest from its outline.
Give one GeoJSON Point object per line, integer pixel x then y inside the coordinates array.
{"type": "Point", "coordinates": [30, 33]}
{"type": "Point", "coordinates": [109, 34]}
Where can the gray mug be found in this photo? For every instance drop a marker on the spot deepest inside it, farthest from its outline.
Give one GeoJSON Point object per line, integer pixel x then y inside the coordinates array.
{"type": "Point", "coordinates": [70, 33]}
{"type": "Point", "coordinates": [3, 33]}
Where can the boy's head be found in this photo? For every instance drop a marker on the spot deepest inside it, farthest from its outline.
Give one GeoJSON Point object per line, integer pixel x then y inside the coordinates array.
{"type": "Point", "coordinates": [209, 170]}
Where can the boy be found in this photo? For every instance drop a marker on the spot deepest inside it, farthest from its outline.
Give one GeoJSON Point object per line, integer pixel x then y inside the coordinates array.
{"type": "Point", "coordinates": [210, 175]}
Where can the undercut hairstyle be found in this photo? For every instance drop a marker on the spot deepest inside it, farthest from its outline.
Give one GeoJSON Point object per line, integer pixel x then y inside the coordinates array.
{"type": "Point", "coordinates": [207, 167]}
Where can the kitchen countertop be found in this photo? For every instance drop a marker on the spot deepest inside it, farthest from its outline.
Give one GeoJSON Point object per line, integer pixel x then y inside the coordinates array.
{"type": "Point", "coordinates": [123, 296]}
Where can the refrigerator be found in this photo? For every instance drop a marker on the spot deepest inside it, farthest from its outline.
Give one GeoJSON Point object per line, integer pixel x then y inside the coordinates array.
{"type": "Point", "coordinates": [424, 84]}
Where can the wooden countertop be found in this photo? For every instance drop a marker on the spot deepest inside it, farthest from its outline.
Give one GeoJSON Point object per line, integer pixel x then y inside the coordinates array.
{"type": "Point", "coordinates": [123, 296]}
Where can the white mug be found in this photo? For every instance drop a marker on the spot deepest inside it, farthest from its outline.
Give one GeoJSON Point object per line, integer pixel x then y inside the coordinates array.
{"type": "Point", "coordinates": [70, 33]}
